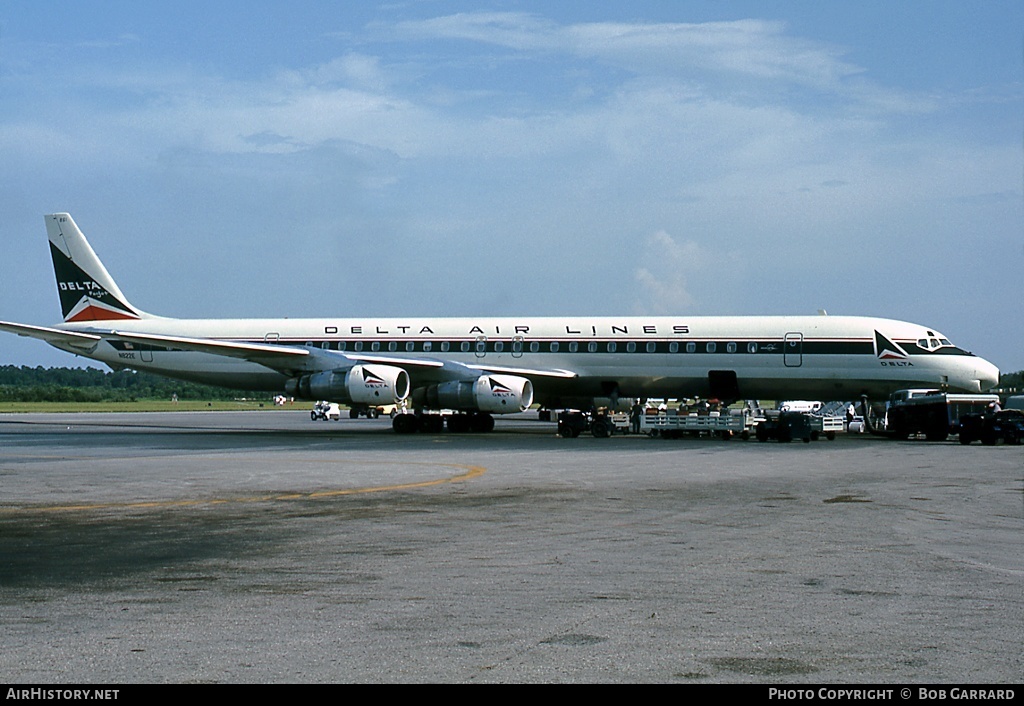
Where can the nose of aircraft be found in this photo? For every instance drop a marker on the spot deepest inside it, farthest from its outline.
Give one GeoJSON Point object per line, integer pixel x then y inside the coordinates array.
{"type": "Point", "coordinates": [987, 374]}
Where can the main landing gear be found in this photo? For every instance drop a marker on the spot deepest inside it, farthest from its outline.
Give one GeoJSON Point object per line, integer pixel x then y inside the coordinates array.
{"type": "Point", "coordinates": [458, 423]}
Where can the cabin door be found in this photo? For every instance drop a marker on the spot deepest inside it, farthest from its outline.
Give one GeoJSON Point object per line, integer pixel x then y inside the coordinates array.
{"type": "Point", "coordinates": [793, 350]}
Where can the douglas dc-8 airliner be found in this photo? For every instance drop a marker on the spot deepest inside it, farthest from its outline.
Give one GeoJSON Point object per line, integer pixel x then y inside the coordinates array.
{"type": "Point", "coordinates": [478, 366]}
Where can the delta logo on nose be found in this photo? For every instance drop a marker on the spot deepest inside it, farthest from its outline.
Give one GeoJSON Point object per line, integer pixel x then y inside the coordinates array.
{"type": "Point", "coordinates": [890, 353]}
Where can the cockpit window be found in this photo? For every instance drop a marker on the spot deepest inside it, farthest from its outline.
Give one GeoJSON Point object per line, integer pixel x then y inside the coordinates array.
{"type": "Point", "coordinates": [933, 344]}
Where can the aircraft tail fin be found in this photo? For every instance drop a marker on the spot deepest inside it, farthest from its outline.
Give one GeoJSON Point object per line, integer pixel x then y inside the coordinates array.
{"type": "Point", "coordinates": [87, 291]}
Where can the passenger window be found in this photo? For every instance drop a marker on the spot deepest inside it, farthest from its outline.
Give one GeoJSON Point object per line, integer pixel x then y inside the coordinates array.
{"type": "Point", "coordinates": [631, 347]}
{"type": "Point", "coordinates": [712, 347]}
{"type": "Point", "coordinates": [730, 347]}
{"type": "Point", "coordinates": [410, 346]}
{"type": "Point", "coordinates": [691, 347]}
{"type": "Point", "coordinates": [393, 346]}
{"type": "Point", "coordinates": [573, 347]}
{"type": "Point", "coordinates": [554, 346]}
{"type": "Point", "coordinates": [751, 347]}
{"type": "Point", "coordinates": [357, 346]}
{"type": "Point", "coordinates": [534, 346]}
{"type": "Point", "coordinates": [651, 346]}
{"type": "Point", "coordinates": [612, 347]}
{"type": "Point", "coordinates": [465, 346]}
{"type": "Point", "coordinates": [673, 347]}
{"type": "Point", "coordinates": [445, 345]}
{"type": "Point", "coordinates": [375, 346]}
{"type": "Point", "coordinates": [592, 347]}
{"type": "Point", "coordinates": [499, 346]}
{"type": "Point", "coordinates": [427, 346]}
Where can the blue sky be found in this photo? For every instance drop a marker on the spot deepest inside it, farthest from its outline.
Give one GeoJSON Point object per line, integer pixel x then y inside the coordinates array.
{"type": "Point", "coordinates": [531, 158]}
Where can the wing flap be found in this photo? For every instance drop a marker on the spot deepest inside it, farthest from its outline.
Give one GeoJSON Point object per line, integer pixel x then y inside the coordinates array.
{"type": "Point", "coordinates": [526, 372]}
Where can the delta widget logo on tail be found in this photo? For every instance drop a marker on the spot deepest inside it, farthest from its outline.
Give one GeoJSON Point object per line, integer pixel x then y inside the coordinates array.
{"type": "Point", "coordinates": [82, 298]}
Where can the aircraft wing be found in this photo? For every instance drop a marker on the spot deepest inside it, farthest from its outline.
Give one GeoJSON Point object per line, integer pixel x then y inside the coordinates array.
{"type": "Point", "coordinates": [291, 359]}
{"type": "Point", "coordinates": [85, 341]}
{"type": "Point", "coordinates": [286, 359]}
{"type": "Point", "coordinates": [526, 372]}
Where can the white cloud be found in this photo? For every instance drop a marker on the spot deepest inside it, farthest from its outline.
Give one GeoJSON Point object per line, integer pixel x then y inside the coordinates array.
{"type": "Point", "coordinates": [680, 276]}
{"type": "Point", "coordinates": [754, 48]}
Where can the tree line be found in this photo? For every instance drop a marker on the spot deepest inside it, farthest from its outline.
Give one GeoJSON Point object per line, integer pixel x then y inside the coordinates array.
{"type": "Point", "coordinates": [39, 384]}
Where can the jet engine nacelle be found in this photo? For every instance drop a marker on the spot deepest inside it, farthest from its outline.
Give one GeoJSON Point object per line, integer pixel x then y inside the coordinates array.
{"type": "Point", "coordinates": [495, 394]}
{"type": "Point", "coordinates": [361, 384]}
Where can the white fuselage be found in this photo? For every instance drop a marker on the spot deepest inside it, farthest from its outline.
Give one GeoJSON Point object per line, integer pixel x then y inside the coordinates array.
{"type": "Point", "coordinates": [783, 357]}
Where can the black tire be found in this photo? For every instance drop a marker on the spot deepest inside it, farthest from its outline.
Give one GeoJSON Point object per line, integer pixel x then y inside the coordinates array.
{"type": "Point", "coordinates": [353, 413]}
{"type": "Point", "coordinates": [404, 423]}
{"type": "Point", "coordinates": [481, 423]}
{"type": "Point", "coordinates": [458, 423]}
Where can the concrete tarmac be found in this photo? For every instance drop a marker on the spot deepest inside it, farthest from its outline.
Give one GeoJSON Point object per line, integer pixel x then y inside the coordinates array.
{"type": "Point", "coordinates": [263, 547]}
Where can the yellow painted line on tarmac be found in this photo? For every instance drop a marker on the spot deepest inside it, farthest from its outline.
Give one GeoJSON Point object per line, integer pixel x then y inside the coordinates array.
{"type": "Point", "coordinates": [468, 473]}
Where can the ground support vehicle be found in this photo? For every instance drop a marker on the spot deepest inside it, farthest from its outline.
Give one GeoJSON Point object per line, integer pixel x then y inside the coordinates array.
{"type": "Point", "coordinates": [785, 426]}
{"type": "Point", "coordinates": [572, 423]}
{"type": "Point", "coordinates": [992, 427]}
{"type": "Point", "coordinates": [324, 411]}
{"type": "Point", "coordinates": [825, 426]}
{"type": "Point", "coordinates": [675, 426]}
{"type": "Point", "coordinates": [931, 412]}
{"type": "Point", "coordinates": [357, 411]}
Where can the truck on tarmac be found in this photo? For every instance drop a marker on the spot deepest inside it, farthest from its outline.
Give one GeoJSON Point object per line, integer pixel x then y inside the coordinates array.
{"type": "Point", "coordinates": [934, 413]}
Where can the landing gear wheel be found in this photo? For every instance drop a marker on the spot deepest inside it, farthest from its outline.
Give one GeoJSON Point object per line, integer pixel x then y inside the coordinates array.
{"type": "Point", "coordinates": [482, 423]}
{"type": "Point", "coordinates": [430, 423]}
{"type": "Point", "coordinates": [458, 423]}
{"type": "Point", "coordinates": [404, 423]}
